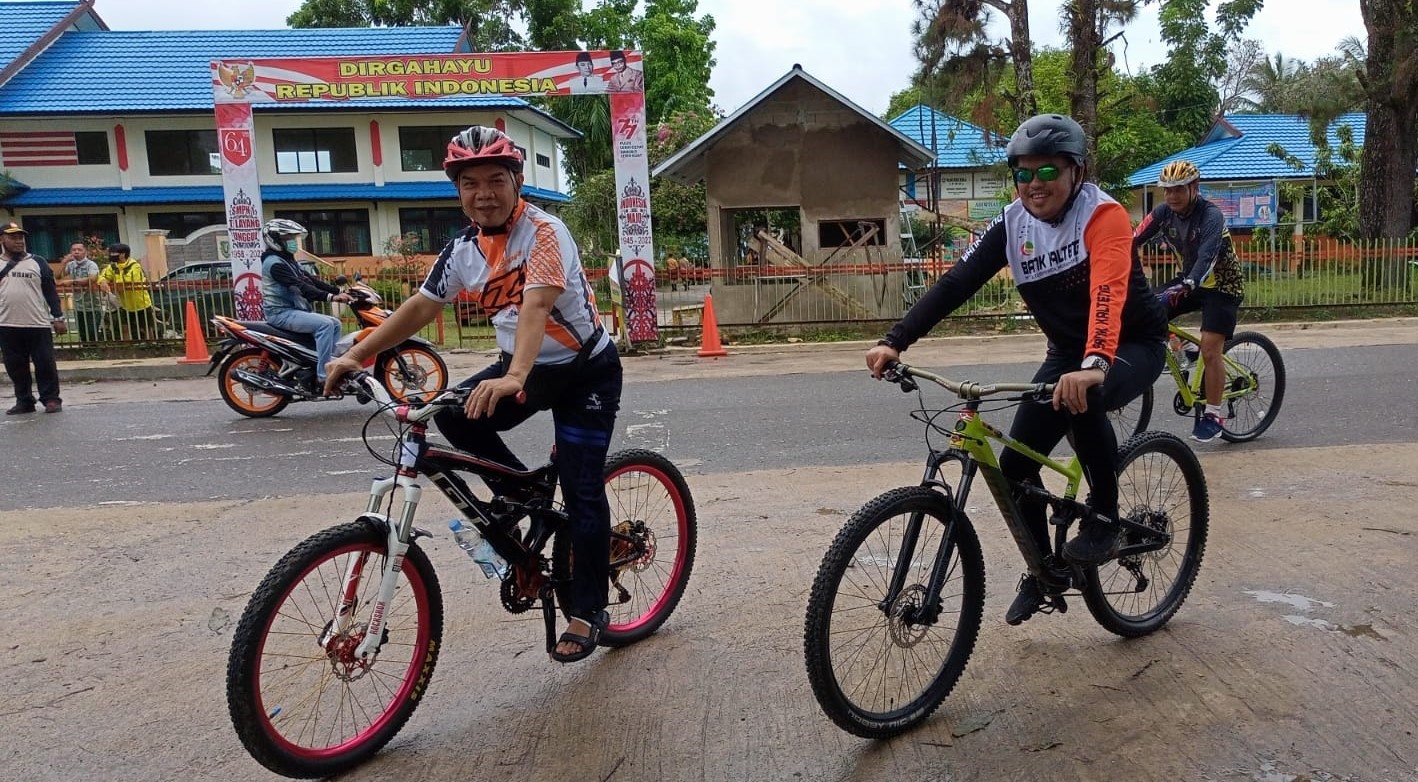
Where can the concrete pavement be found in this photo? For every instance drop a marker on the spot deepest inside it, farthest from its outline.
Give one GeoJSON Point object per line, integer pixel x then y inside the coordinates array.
{"type": "Point", "coordinates": [677, 363]}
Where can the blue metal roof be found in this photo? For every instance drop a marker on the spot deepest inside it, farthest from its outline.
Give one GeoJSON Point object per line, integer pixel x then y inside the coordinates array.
{"type": "Point", "coordinates": [113, 196]}
{"type": "Point", "coordinates": [26, 23]}
{"type": "Point", "coordinates": [1235, 148]}
{"type": "Point", "coordinates": [956, 143]}
{"type": "Point", "coordinates": [170, 70]}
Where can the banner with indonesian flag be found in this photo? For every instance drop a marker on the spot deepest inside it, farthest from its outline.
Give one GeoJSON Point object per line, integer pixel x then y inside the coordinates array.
{"type": "Point", "coordinates": [237, 84]}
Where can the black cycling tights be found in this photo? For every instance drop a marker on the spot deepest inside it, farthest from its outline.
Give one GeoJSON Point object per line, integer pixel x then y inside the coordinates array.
{"type": "Point", "coordinates": [1135, 367]}
{"type": "Point", "coordinates": [583, 398]}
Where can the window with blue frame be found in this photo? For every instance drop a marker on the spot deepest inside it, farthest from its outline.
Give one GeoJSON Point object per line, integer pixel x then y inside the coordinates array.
{"type": "Point", "coordinates": [334, 232]}
{"type": "Point", "coordinates": [51, 235]}
{"type": "Point", "coordinates": [433, 226]}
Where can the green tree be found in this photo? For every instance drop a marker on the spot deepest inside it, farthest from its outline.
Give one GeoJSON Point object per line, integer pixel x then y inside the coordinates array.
{"type": "Point", "coordinates": [492, 24]}
{"type": "Point", "coordinates": [1197, 59]}
{"type": "Point", "coordinates": [902, 101]}
{"type": "Point", "coordinates": [1390, 83]}
{"type": "Point", "coordinates": [958, 57]}
{"type": "Point", "coordinates": [1337, 169]}
{"type": "Point", "coordinates": [1089, 24]}
{"type": "Point", "coordinates": [1129, 136]}
{"type": "Point", "coordinates": [678, 210]}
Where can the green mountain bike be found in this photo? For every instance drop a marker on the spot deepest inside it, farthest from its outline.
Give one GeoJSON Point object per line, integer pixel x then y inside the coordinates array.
{"type": "Point", "coordinates": [1253, 392]}
{"type": "Point", "coordinates": [896, 606]}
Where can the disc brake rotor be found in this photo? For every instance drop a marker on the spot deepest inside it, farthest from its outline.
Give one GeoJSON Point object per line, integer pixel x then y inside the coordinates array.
{"type": "Point", "coordinates": [905, 632]}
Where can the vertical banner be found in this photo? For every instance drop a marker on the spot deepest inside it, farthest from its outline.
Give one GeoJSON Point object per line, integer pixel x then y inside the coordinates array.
{"type": "Point", "coordinates": [632, 192]}
{"type": "Point", "coordinates": [619, 74]}
{"type": "Point", "coordinates": [241, 194]}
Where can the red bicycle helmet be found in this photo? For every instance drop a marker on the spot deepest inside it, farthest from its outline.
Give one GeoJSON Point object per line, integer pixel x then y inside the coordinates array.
{"type": "Point", "coordinates": [480, 144]}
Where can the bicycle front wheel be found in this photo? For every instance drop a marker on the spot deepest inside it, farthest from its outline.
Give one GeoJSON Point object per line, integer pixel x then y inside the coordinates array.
{"type": "Point", "coordinates": [302, 702]}
{"type": "Point", "coordinates": [1160, 485]}
{"type": "Point", "coordinates": [1255, 386]}
{"type": "Point", "coordinates": [880, 661]}
{"type": "Point", "coordinates": [653, 534]}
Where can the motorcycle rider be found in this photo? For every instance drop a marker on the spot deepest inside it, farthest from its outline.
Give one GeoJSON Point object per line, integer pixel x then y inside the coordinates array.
{"type": "Point", "coordinates": [523, 266]}
{"type": "Point", "coordinates": [287, 291]}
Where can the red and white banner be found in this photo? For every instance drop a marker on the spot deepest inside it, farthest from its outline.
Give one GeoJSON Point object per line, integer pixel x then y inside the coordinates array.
{"type": "Point", "coordinates": [618, 74]}
{"type": "Point", "coordinates": [38, 148]}
{"type": "Point", "coordinates": [241, 191]}
{"type": "Point", "coordinates": [632, 192]}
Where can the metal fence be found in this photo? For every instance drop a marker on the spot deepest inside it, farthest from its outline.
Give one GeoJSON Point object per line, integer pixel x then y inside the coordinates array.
{"type": "Point", "coordinates": [1316, 274]}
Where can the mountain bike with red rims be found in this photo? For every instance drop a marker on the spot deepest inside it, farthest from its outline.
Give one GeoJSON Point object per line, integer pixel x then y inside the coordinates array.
{"type": "Point", "coordinates": [339, 642]}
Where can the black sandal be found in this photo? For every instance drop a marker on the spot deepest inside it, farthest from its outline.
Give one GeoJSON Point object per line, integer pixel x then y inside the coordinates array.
{"type": "Point", "coordinates": [587, 642]}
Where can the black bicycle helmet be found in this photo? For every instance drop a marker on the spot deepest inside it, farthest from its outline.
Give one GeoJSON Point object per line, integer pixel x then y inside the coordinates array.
{"type": "Point", "coordinates": [1047, 135]}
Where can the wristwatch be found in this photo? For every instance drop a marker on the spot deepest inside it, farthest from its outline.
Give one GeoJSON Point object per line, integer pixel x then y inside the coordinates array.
{"type": "Point", "coordinates": [1189, 283]}
{"type": "Point", "coordinates": [1096, 362]}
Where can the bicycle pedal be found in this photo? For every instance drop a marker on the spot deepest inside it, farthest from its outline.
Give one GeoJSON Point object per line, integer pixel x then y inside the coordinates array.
{"type": "Point", "coordinates": [1054, 604]}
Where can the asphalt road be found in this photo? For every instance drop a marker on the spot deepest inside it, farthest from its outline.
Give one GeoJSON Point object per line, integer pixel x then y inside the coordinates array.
{"type": "Point", "coordinates": [181, 451]}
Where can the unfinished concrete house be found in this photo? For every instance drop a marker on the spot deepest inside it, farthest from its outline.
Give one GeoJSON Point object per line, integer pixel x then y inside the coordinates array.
{"type": "Point", "coordinates": [803, 207]}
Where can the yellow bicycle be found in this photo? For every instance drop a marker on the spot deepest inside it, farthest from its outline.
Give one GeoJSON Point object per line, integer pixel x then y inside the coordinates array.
{"type": "Point", "coordinates": [1254, 388]}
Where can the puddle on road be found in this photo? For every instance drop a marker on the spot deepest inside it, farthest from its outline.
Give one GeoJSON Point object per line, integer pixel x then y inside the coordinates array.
{"type": "Point", "coordinates": [1305, 621]}
{"type": "Point", "coordinates": [1298, 602]}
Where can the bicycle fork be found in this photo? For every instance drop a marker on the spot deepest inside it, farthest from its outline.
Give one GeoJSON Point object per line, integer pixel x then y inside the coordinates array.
{"type": "Point", "coordinates": [397, 546]}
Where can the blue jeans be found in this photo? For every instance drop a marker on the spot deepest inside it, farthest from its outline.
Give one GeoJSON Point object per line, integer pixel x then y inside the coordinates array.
{"type": "Point", "coordinates": [326, 329]}
{"type": "Point", "coordinates": [583, 399]}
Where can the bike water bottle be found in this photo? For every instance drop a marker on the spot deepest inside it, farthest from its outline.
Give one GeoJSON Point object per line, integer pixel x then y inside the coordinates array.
{"type": "Point", "coordinates": [1174, 343]}
{"type": "Point", "coordinates": [478, 548]}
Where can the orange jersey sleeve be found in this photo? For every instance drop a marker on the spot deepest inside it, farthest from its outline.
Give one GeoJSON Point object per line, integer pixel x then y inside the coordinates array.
{"type": "Point", "coordinates": [1109, 240]}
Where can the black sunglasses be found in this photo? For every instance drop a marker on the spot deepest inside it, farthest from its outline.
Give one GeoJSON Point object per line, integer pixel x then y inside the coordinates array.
{"type": "Point", "coordinates": [1048, 173]}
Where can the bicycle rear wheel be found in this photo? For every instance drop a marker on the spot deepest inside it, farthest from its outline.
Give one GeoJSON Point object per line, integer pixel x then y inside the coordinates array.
{"type": "Point", "coordinates": [1133, 417]}
{"type": "Point", "coordinates": [1160, 485]}
{"type": "Point", "coordinates": [653, 534]}
{"type": "Point", "coordinates": [307, 709]}
{"type": "Point", "coordinates": [1255, 390]}
{"type": "Point", "coordinates": [878, 663]}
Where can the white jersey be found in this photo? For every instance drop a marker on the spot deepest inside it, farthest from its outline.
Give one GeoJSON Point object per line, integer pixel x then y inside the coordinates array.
{"type": "Point", "coordinates": [536, 251]}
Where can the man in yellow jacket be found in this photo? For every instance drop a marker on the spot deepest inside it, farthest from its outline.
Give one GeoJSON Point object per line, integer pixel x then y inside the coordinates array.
{"type": "Point", "coordinates": [135, 304]}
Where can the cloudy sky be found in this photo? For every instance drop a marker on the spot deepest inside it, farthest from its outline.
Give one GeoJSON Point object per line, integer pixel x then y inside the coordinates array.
{"type": "Point", "coordinates": [861, 49]}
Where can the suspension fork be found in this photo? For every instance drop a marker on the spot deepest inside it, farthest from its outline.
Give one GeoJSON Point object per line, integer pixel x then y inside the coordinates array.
{"type": "Point", "coordinates": [398, 535]}
{"type": "Point", "coordinates": [913, 530]}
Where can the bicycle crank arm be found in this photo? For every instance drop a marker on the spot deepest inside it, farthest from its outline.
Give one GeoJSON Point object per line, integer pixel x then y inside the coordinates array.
{"type": "Point", "coordinates": [549, 617]}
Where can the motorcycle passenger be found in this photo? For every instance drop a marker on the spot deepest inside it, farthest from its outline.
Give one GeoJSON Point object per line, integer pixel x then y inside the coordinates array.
{"type": "Point", "coordinates": [1068, 246]}
{"type": "Point", "coordinates": [523, 266]}
{"type": "Point", "coordinates": [287, 291]}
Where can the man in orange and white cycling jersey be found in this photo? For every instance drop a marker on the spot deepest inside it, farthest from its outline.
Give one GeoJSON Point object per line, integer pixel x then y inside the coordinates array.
{"type": "Point", "coordinates": [523, 266]}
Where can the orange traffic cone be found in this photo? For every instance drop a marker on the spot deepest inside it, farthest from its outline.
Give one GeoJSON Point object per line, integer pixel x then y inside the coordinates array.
{"type": "Point", "coordinates": [709, 346]}
{"type": "Point", "coordinates": [196, 340]}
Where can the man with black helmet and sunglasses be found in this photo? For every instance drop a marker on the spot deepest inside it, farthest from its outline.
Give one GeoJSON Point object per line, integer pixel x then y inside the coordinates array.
{"type": "Point", "coordinates": [1068, 246]}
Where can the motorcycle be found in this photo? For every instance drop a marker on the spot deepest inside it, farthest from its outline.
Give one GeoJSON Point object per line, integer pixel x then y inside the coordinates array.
{"type": "Point", "coordinates": [261, 368]}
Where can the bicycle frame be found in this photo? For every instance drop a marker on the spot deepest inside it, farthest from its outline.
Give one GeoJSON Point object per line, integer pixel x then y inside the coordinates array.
{"type": "Point", "coordinates": [1189, 388]}
{"type": "Point", "coordinates": [970, 444]}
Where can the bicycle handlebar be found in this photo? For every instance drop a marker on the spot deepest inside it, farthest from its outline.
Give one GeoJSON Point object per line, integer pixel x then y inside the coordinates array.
{"type": "Point", "coordinates": [901, 374]}
{"type": "Point", "coordinates": [412, 412]}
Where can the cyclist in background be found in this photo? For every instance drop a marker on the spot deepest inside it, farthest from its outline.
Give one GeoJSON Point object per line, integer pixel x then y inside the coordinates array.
{"type": "Point", "coordinates": [1068, 246]}
{"type": "Point", "coordinates": [523, 266]}
{"type": "Point", "coordinates": [1209, 279]}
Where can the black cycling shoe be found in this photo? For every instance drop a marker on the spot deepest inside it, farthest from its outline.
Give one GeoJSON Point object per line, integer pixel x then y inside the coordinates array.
{"type": "Point", "coordinates": [1096, 542]}
{"type": "Point", "coordinates": [1027, 603]}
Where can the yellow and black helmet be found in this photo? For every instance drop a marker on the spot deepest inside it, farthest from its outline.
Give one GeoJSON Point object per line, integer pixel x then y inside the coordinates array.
{"type": "Point", "coordinates": [1178, 173]}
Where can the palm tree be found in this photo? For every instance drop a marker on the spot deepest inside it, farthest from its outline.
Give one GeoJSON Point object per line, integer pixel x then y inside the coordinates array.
{"type": "Point", "coordinates": [1273, 81]}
